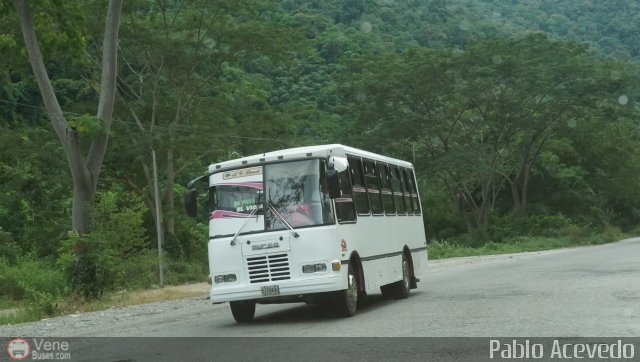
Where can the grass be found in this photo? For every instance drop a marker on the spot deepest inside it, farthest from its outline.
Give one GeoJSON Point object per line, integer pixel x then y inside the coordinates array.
{"type": "Point", "coordinates": [7, 303]}
{"type": "Point", "coordinates": [452, 249]}
{"type": "Point", "coordinates": [12, 312]}
{"type": "Point", "coordinates": [123, 299]}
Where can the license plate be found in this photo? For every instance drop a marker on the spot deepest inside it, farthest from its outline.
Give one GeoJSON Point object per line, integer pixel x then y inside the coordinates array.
{"type": "Point", "coordinates": [270, 290]}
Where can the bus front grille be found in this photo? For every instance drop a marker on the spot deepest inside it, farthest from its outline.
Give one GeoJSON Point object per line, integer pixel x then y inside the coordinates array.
{"type": "Point", "coordinates": [268, 268]}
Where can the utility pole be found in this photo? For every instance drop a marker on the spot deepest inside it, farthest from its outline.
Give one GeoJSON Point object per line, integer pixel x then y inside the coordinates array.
{"type": "Point", "coordinates": [413, 150]}
{"type": "Point", "coordinates": [158, 216]}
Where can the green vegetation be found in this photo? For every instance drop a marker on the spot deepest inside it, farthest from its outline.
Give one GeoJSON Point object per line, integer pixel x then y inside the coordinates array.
{"type": "Point", "coordinates": [442, 249]}
{"type": "Point", "coordinates": [12, 312]}
{"type": "Point", "coordinates": [521, 118]}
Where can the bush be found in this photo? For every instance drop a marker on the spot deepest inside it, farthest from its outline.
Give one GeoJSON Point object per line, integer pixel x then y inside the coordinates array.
{"type": "Point", "coordinates": [510, 226]}
{"type": "Point", "coordinates": [193, 239]}
{"type": "Point", "coordinates": [144, 267]}
{"type": "Point", "coordinates": [91, 267]}
{"type": "Point", "coordinates": [575, 233]}
{"type": "Point", "coordinates": [9, 250]}
{"type": "Point", "coordinates": [441, 220]}
{"type": "Point", "coordinates": [609, 234]}
{"type": "Point", "coordinates": [113, 255]}
{"type": "Point", "coordinates": [38, 283]}
{"type": "Point", "coordinates": [178, 272]}
{"type": "Point", "coordinates": [41, 303]}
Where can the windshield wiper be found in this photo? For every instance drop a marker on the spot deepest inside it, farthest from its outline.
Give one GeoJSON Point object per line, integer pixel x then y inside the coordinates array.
{"type": "Point", "coordinates": [277, 214]}
{"type": "Point", "coordinates": [253, 212]}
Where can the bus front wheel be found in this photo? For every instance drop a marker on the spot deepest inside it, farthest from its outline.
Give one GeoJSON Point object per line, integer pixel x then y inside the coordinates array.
{"type": "Point", "coordinates": [243, 311]}
{"type": "Point", "coordinates": [347, 300]}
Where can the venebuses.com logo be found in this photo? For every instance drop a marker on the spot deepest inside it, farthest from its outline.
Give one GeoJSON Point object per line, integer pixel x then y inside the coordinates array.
{"type": "Point", "coordinates": [37, 349]}
{"type": "Point", "coordinates": [18, 349]}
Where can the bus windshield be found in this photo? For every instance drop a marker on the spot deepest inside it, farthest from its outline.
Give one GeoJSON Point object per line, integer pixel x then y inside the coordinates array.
{"type": "Point", "coordinates": [294, 190]}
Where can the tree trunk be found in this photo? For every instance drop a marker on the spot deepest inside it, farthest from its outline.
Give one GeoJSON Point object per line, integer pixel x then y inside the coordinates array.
{"type": "Point", "coordinates": [170, 203]}
{"type": "Point", "coordinates": [169, 195]}
{"type": "Point", "coordinates": [84, 173]}
{"type": "Point", "coordinates": [519, 192]}
{"type": "Point", "coordinates": [157, 210]}
{"type": "Point", "coordinates": [524, 192]}
{"type": "Point", "coordinates": [520, 186]}
{"type": "Point", "coordinates": [83, 198]}
{"type": "Point", "coordinates": [108, 89]}
{"type": "Point", "coordinates": [482, 216]}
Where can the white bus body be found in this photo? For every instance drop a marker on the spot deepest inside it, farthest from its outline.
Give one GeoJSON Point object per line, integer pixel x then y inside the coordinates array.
{"type": "Point", "coordinates": [356, 237]}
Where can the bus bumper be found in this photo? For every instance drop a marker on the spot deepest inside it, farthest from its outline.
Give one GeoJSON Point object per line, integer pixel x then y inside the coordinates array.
{"type": "Point", "coordinates": [287, 288]}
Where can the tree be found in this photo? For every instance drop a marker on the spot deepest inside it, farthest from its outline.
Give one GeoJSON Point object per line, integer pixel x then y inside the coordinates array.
{"type": "Point", "coordinates": [85, 171]}
{"type": "Point", "coordinates": [186, 91]}
{"type": "Point", "coordinates": [414, 103]}
{"type": "Point", "coordinates": [480, 119]}
{"type": "Point", "coordinates": [527, 90]}
{"type": "Point", "coordinates": [524, 91]}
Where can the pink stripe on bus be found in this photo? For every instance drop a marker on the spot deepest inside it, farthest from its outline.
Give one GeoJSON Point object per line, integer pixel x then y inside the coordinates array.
{"type": "Point", "coordinates": [253, 185]}
{"type": "Point", "coordinates": [220, 214]}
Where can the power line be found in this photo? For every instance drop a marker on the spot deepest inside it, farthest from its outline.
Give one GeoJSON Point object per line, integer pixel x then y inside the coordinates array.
{"type": "Point", "coordinates": [216, 136]}
{"type": "Point", "coordinates": [184, 130]}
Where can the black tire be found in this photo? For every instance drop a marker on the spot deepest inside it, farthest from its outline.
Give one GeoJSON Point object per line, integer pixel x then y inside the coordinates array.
{"type": "Point", "coordinates": [404, 286]}
{"type": "Point", "coordinates": [347, 300]}
{"type": "Point", "coordinates": [243, 311]}
{"type": "Point", "coordinates": [401, 288]}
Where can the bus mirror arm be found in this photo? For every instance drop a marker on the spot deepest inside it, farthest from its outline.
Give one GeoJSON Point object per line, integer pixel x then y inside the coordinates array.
{"type": "Point", "coordinates": [333, 182]}
{"type": "Point", "coordinates": [191, 202]}
{"type": "Point", "coordinates": [191, 196]}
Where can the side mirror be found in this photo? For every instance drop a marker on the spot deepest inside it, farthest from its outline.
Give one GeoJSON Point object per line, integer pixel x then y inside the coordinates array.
{"type": "Point", "coordinates": [333, 182]}
{"type": "Point", "coordinates": [191, 196]}
{"type": "Point", "coordinates": [338, 163]}
{"type": "Point", "coordinates": [191, 202]}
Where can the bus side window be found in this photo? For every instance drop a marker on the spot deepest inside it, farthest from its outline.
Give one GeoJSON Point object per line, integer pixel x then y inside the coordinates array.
{"type": "Point", "coordinates": [414, 192]}
{"type": "Point", "coordinates": [398, 190]}
{"type": "Point", "coordinates": [359, 188]}
{"type": "Point", "coordinates": [373, 187]}
{"type": "Point", "coordinates": [327, 211]}
{"type": "Point", "coordinates": [407, 191]}
{"type": "Point", "coordinates": [387, 193]}
{"type": "Point", "coordinates": [345, 208]}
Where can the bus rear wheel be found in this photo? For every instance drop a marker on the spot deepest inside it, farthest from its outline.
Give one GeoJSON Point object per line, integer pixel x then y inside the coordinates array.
{"type": "Point", "coordinates": [347, 300]}
{"type": "Point", "coordinates": [243, 311]}
{"type": "Point", "coordinates": [401, 288]}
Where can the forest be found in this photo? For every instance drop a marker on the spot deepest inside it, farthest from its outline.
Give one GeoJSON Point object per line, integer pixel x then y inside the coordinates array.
{"type": "Point", "coordinates": [521, 118]}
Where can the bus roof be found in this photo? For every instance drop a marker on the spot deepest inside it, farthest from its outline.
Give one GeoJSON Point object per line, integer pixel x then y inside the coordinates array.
{"type": "Point", "coordinates": [302, 153]}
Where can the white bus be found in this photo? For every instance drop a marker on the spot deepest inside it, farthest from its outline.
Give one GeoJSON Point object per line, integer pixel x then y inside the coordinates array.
{"type": "Point", "coordinates": [320, 223]}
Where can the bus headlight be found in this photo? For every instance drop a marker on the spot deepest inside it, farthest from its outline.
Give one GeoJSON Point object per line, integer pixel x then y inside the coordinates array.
{"type": "Point", "coordinates": [224, 278]}
{"type": "Point", "coordinates": [314, 268]}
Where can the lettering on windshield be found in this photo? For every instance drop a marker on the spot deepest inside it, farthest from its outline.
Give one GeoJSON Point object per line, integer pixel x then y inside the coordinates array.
{"type": "Point", "coordinates": [244, 172]}
{"type": "Point", "coordinates": [245, 205]}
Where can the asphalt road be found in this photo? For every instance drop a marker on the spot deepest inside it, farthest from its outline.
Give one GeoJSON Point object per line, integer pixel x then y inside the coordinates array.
{"type": "Point", "coordinates": [581, 292]}
{"type": "Point", "coordinates": [588, 291]}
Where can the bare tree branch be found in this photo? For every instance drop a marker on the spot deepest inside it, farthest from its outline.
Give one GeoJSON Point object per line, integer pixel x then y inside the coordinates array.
{"type": "Point", "coordinates": [107, 90]}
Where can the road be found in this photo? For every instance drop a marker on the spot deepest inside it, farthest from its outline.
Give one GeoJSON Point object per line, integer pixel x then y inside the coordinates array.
{"type": "Point", "coordinates": [587, 291]}
{"type": "Point", "coordinates": [581, 292]}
